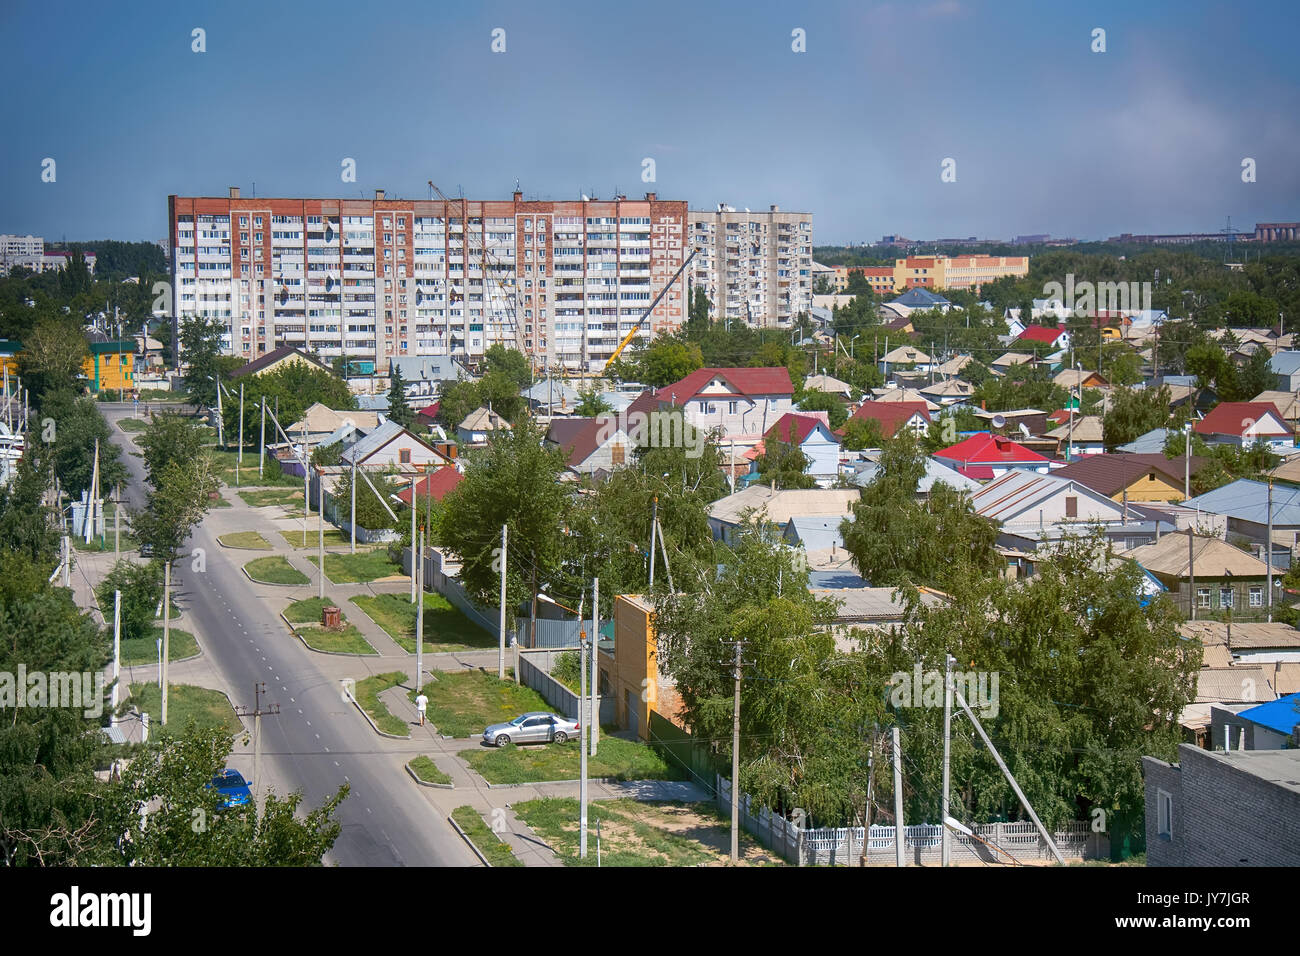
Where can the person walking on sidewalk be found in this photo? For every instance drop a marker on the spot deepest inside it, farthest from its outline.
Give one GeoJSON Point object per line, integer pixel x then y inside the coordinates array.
{"type": "Point", "coordinates": [421, 704]}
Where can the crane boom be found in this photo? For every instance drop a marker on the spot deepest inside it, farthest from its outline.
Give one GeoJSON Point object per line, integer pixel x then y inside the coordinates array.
{"type": "Point", "coordinates": [645, 315]}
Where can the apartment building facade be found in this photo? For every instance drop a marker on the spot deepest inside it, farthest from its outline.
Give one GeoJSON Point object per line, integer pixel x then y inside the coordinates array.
{"type": "Point", "coordinates": [388, 278]}
{"type": "Point", "coordinates": [28, 252]}
{"type": "Point", "coordinates": [755, 267]}
{"type": "Point", "coordinates": [935, 272]}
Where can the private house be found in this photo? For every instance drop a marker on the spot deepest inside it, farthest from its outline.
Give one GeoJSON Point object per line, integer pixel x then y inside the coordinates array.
{"type": "Point", "coordinates": [893, 416]}
{"type": "Point", "coordinates": [630, 670]}
{"type": "Point", "coordinates": [431, 487]}
{"type": "Point", "coordinates": [478, 425]}
{"type": "Point", "coordinates": [1287, 404]}
{"type": "Point", "coordinates": [1148, 443]}
{"type": "Point", "coordinates": [951, 391]}
{"type": "Point", "coordinates": [1244, 424]}
{"type": "Point", "coordinates": [1268, 726]}
{"type": "Point", "coordinates": [1225, 580]}
{"type": "Point", "coordinates": [110, 365]}
{"type": "Point", "coordinates": [1082, 437]}
{"type": "Point", "coordinates": [866, 609]}
{"type": "Point", "coordinates": [1074, 380]}
{"type": "Point", "coordinates": [1006, 360]}
{"type": "Point", "coordinates": [934, 473]}
{"type": "Point", "coordinates": [1212, 809]}
{"type": "Point", "coordinates": [1245, 505]}
{"type": "Point", "coordinates": [1035, 509]}
{"type": "Point", "coordinates": [740, 404]}
{"type": "Point", "coordinates": [954, 366]}
{"type": "Point", "coordinates": [1053, 337]}
{"type": "Point", "coordinates": [919, 300]}
{"type": "Point", "coordinates": [811, 432]}
{"type": "Point", "coordinates": [1286, 366]}
{"type": "Point", "coordinates": [283, 356]}
{"type": "Point", "coordinates": [1255, 643]}
{"type": "Point", "coordinates": [1136, 477]}
{"type": "Point", "coordinates": [908, 355]}
{"type": "Point", "coordinates": [814, 533]}
{"type": "Point", "coordinates": [984, 455]}
{"type": "Point", "coordinates": [829, 384]}
{"type": "Point", "coordinates": [591, 445]}
{"type": "Point", "coordinates": [903, 395]}
{"type": "Point", "coordinates": [426, 375]}
{"type": "Point", "coordinates": [777, 507]}
{"type": "Point", "coordinates": [319, 422]}
{"type": "Point", "coordinates": [392, 446]}
{"type": "Point", "coordinates": [552, 396]}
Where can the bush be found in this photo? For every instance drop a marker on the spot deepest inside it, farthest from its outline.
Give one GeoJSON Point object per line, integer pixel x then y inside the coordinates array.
{"type": "Point", "coordinates": [110, 395]}
{"type": "Point", "coordinates": [141, 586]}
{"type": "Point", "coordinates": [271, 469]}
{"type": "Point", "coordinates": [566, 670]}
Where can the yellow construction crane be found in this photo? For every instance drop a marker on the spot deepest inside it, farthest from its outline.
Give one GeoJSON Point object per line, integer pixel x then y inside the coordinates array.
{"type": "Point", "coordinates": [645, 315]}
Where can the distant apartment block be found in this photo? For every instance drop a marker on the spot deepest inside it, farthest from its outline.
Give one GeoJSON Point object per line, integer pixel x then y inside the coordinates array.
{"type": "Point", "coordinates": [755, 267]}
{"type": "Point", "coordinates": [934, 272]}
{"type": "Point", "coordinates": [389, 278]}
{"type": "Point", "coordinates": [28, 252]}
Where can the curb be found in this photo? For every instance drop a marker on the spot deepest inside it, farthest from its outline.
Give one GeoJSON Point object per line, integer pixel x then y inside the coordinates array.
{"type": "Point", "coordinates": [464, 836]}
{"type": "Point", "coordinates": [542, 783]}
{"type": "Point", "coordinates": [315, 650]}
{"type": "Point", "coordinates": [370, 720]}
{"type": "Point", "coordinates": [426, 783]}
{"type": "Point", "coordinates": [269, 584]}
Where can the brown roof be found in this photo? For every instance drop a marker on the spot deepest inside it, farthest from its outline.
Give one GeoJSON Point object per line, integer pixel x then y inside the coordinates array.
{"type": "Point", "coordinates": [1213, 559]}
{"type": "Point", "coordinates": [273, 356]}
{"type": "Point", "coordinates": [1255, 636]}
{"type": "Point", "coordinates": [576, 437]}
{"type": "Point", "coordinates": [1286, 677]}
{"type": "Point", "coordinates": [1240, 684]}
{"type": "Point", "coordinates": [1111, 474]}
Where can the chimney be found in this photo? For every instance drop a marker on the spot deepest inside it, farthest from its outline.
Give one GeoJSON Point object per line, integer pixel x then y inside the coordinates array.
{"type": "Point", "coordinates": [379, 194]}
{"type": "Point", "coordinates": [650, 197]}
{"type": "Point", "coordinates": [234, 192]}
{"type": "Point", "coordinates": [775, 208]}
{"type": "Point", "coordinates": [519, 195]}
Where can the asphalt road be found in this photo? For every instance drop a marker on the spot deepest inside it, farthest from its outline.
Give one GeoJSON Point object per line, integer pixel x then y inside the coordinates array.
{"type": "Point", "coordinates": [318, 741]}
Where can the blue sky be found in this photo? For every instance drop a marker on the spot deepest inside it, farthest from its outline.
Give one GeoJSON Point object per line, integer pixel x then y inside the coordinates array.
{"type": "Point", "coordinates": [1047, 136]}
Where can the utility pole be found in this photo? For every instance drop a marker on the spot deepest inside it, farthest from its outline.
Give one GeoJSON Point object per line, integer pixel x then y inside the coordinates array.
{"type": "Point", "coordinates": [946, 857]}
{"type": "Point", "coordinates": [167, 631]}
{"type": "Point", "coordinates": [654, 523]}
{"type": "Point", "coordinates": [735, 762]}
{"type": "Point", "coordinates": [239, 457]}
{"type": "Point", "coordinates": [117, 652]}
{"type": "Point", "coordinates": [582, 703]}
{"type": "Point", "coordinates": [67, 561]}
{"type": "Point", "coordinates": [221, 425]}
{"type": "Point", "coordinates": [1269, 548]}
{"type": "Point", "coordinates": [419, 620]}
{"type": "Point", "coordinates": [595, 643]}
{"type": "Point", "coordinates": [1191, 574]}
{"type": "Point", "coordinates": [1187, 461]}
{"type": "Point", "coordinates": [117, 522]}
{"type": "Point", "coordinates": [354, 524]}
{"type": "Point", "coordinates": [272, 710]}
{"type": "Point", "coordinates": [320, 532]}
{"type": "Point", "coordinates": [501, 655]}
{"type": "Point", "coordinates": [352, 515]}
{"type": "Point", "coordinates": [261, 451]}
{"type": "Point", "coordinates": [898, 798]}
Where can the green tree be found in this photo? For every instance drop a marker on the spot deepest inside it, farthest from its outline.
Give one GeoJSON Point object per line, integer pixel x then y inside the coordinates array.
{"type": "Point", "coordinates": [896, 540]}
{"type": "Point", "coordinates": [783, 464]}
{"type": "Point", "coordinates": [371, 514]}
{"type": "Point", "coordinates": [180, 497]}
{"type": "Point", "coordinates": [1256, 376]}
{"type": "Point", "coordinates": [294, 387]}
{"type": "Point", "coordinates": [1134, 412]}
{"type": "Point", "coordinates": [514, 364]}
{"type": "Point", "coordinates": [170, 437]}
{"type": "Point", "coordinates": [142, 587]}
{"type": "Point", "coordinates": [78, 423]}
{"type": "Point", "coordinates": [171, 817]}
{"type": "Point", "coordinates": [862, 433]}
{"type": "Point", "coordinates": [667, 360]}
{"type": "Point", "coordinates": [456, 401]}
{"type": "Point", "coordinates": [200, 346]}
{"type": "Point", "coordinates": [53, 357]}
{"type": "Point", "coordinates": [398, 410]}
{"type": "Point", "coordinates": [591, 404]}
{"type": "Point", "coordinates": [512, 482]}
{"type": "Point", "coordinates": [816, 401]}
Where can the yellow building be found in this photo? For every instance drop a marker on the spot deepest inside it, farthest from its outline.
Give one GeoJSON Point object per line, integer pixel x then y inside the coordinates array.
{"type": "Point", "coordinates": [111, 365]}
{"type": "Point", "coordinates": [1136, 478]}
{"type": "Point", "coordinates": [632, 674]}
{"type": "Point", "coordinates": [934, 272]}
{"type": "Point", "coordinates": [9, 350]}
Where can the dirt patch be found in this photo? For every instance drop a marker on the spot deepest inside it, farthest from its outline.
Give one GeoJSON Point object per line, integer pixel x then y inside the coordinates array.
{"type": "Point", "coordinates": [691, 823]}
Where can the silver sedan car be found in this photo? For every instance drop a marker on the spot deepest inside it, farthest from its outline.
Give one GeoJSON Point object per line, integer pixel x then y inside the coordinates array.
{"type": "Point", "coordinates": [535, 727]}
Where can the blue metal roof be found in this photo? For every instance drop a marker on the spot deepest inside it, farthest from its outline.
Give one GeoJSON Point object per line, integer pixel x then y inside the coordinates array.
{"type": "Point", "coordinates": [1285, 363]}
{"type": "Point", "coordinates": [1281, 715]}
{"type": "Point", "coordinates": [1247, 500]}
{"type": "Point", "coordinates": [920, 299]}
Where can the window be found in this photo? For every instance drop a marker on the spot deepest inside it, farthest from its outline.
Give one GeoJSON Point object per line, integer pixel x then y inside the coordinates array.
{"type": "Point", "coordinates": [618, 454]}
{"type": "Point", "coordinates": [404, 456]}
{"type": "Point", "coordinates": [733, 407]}
{"type": "Point", "coordinates": [1165, 814]}
{"type": "Point", "coordinates": [1257, 597]}
{"type": "Point", "coordinates": [1225, 597]}
{"type": "Point", "coordinates": [1202, 597]}
{"type": "Point", "coordinates": [1071, 506]}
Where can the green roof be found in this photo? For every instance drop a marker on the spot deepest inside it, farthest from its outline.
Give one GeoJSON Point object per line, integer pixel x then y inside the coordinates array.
{"type": "Point", "coordinates": [125, 345]}
{"type": "Point", "coordinates": [10, 346]}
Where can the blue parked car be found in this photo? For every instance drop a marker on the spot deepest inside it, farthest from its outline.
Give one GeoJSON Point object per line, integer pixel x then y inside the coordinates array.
{"type": "Point", "coordinates": [234, 789]}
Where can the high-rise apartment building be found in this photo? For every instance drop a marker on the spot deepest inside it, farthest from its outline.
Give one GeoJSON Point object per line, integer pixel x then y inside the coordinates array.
{"type": "Point", "coordinates": [380, 278]}
{"type": "Point", "coordinates": [28, 252]}
{"type": "Point", "coordinates": [754, 266]}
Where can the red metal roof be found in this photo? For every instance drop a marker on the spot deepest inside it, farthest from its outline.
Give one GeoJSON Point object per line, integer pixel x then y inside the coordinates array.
{"type": "Point", "coordinates": [988, 449]}
{"type": "Point", "coordinates": [1236, 418]}
{"type": "Point", "coordinates": [1041, 333]}
{"type": "Point", "coordinates": [891, 415]}
{"type": "Point", "coordinates": [746, 381]}
{"type": "Point", "coordinates": [435, 485]}
{"type": "Point", "coordinates": [793, 428]}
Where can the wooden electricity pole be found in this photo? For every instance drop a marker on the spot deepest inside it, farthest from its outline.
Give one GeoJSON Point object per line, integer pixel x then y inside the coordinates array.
{"type": "Point", "coordinates": [272, 710]}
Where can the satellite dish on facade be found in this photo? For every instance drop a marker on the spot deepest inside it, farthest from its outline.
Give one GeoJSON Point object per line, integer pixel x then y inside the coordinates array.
{"type": "Point", "coordinates": [999, 421]}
